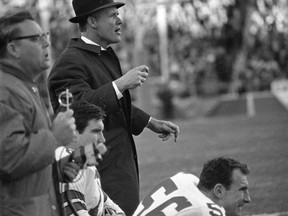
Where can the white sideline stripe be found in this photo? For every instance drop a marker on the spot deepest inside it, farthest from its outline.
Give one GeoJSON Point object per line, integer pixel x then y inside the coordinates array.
{"type": "Point", "coordinates": [272, 214]}
{"type": "Point", "coordinates": [250, 105]}
{"type": "Point", "coordinates": [249, 98]}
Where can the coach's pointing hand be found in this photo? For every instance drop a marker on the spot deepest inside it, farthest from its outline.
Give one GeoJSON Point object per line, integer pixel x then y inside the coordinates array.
{"type": "Point", "coordinates": [164, 128]}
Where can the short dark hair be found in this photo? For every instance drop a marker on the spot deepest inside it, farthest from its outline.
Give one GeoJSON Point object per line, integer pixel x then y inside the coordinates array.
{"type": "Point", "coordinates": [83, 25]}
{"type": "Point", "coordinates": [83, 113]}
{"type": "Point", "coordinates": [9, 26]}
{"type": "Point", "coordinates": [220, 170]}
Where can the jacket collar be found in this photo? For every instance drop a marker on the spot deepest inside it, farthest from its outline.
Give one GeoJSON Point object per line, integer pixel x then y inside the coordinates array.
{"type": "Point", "coordinates": [9, 67]}
{"type": "Point", "coordinates": [80, 44]}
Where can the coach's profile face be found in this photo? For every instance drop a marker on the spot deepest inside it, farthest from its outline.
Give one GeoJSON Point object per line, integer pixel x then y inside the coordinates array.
{"type": "Point", "coordinates": [107, 26]}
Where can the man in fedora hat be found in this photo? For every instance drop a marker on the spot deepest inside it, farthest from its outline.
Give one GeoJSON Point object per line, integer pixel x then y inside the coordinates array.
{"type": "Point", "coordinates": [91, 70]}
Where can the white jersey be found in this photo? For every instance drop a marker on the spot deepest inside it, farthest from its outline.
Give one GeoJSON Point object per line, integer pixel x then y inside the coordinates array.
{"type": "Point", "coordinates": [85, 192]}
{"type": "Point", "coordinates": [178, 196]}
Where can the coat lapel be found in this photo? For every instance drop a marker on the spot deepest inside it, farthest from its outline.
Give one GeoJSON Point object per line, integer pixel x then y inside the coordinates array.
{"type": "Point", "coordinates": [111, 62]}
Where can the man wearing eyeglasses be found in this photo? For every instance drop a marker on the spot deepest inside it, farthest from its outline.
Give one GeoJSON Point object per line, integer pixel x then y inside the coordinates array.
{"type": "Point", "coordinates": [28, 138]}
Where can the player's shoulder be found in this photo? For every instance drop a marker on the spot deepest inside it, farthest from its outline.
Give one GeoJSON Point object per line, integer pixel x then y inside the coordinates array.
{"type": "Point", "coordinates": [62, 152]}
{"type": "Point", "coordinates": [91, 170]}
{"type": "Point", "coordinates": [182, 179]}
{"type": "Point", "coordinates": [186, 176]}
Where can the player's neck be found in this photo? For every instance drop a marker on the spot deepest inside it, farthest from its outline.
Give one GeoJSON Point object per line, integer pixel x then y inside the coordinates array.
{"type": "Point", "coordinates": [209, 194]}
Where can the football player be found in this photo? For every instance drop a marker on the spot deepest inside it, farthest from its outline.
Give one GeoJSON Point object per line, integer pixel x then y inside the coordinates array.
{"type": "Point", "coordinates": [84, 196]}
{"type": "Point", "coordinates": [222, 189]}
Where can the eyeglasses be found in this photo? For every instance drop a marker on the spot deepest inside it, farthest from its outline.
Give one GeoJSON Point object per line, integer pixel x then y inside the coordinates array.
{"type": "Point", "coordinates": [36, 37]}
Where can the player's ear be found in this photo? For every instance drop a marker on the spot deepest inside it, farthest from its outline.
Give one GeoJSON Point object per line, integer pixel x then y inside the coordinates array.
{"type": "Point", "coordinates": [219, 191]}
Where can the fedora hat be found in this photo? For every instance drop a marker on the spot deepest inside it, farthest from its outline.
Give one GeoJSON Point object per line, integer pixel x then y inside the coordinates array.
{"type": "Point", "coordinates": [83, 8]}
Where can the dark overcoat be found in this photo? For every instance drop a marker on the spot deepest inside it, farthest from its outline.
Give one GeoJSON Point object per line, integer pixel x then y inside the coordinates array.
{"type": "Point", "coordinates": [88, 72]}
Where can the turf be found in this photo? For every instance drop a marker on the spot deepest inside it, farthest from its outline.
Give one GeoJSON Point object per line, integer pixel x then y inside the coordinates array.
{"type": "Point", "coordinates": [260, 141]}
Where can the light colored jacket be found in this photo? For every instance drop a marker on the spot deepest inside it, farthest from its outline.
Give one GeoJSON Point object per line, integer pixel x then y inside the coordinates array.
{"type": "Point", "coordinates": [26, 147]}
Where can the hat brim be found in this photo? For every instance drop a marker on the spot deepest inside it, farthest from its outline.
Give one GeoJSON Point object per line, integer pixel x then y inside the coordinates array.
{"type": "Point", "coordinates": [80, 18]}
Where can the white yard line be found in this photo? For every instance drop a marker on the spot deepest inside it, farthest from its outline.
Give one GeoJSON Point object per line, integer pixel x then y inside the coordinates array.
{"type": "Point", "coordinates": [272, 214]}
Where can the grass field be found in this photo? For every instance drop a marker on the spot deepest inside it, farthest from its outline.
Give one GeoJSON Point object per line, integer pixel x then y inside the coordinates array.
{"type": "Point", "coordinates": [260, 141]}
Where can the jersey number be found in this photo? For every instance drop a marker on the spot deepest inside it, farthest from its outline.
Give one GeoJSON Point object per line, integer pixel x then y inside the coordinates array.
{"type": "Point", "coordinates": [169, 187]}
